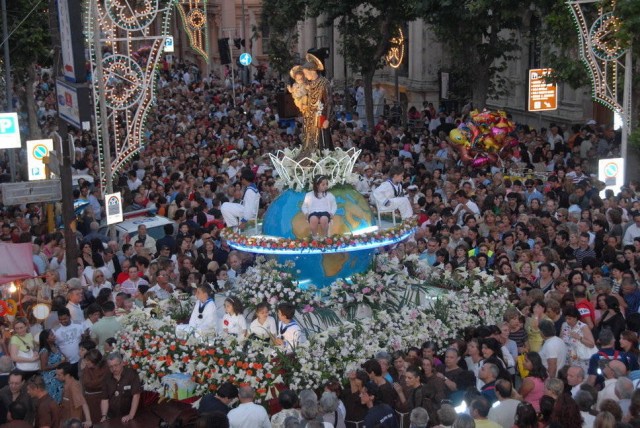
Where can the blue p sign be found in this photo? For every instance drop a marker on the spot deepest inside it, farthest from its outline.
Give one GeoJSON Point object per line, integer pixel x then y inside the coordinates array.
{"type": "Point", "coordinates": [7, 125]}
{"type": "Point", "coordinates": [9, 131]}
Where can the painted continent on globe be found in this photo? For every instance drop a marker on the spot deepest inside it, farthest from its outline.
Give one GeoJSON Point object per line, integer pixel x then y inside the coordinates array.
{"type": "Point", "coordinates": [285, 219]}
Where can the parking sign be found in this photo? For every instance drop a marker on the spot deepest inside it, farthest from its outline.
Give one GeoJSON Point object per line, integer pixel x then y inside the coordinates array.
{"type": "Point", "coordinates": [9, 131]}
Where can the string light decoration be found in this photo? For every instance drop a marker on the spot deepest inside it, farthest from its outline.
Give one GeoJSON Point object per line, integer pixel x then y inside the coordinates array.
{"type": "Point", "coordinates": [123, 81]}
{"type": "Point", "coordinates": [121, 29]}
{"type": "Point", "coordinates": [601, 52]}
{"type": "Point", "coordinates": [194, 22]}
{"type": "Point", "coordinates": [132, 14]}
{"type": "Point", "coordinates": [395, 55]}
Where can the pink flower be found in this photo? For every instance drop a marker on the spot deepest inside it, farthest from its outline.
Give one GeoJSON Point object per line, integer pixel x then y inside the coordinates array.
{"type": "Point", "coordinates": [307, 309]}
{"type": "Point", "coordinates": [366, 290]}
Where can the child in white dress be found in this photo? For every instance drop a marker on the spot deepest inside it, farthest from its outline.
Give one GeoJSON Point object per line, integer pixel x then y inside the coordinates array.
{"type": "Point", "coordinates": [264, 326]}
{"type": "Point", "coordinates": [233, 321]}
{"type": "Point", "coordinates": [320, 206]}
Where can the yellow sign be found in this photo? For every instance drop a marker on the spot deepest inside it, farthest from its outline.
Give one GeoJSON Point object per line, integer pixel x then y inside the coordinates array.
{"type": "Point", "coordinates": [542, 95]}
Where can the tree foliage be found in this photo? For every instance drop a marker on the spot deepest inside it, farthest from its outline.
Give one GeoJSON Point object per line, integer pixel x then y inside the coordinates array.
{"type": "Point", "coordinates": [30, 45]}
{"type": "Point", "coordinates": [279, 18]}
{"type": "Point", "coordinates": [480, 36]}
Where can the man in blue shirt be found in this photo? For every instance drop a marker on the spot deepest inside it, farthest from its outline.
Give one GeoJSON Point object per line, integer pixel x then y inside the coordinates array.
{"type": "Point", "coordinates": [379, 413]}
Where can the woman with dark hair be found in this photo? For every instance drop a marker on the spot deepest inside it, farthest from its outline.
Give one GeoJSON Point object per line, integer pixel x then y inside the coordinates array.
{"type": "Point", "coordinates": [566, 412]}
{"type": "Point", "coordinates": [532, 388]}
{"type": "Point", "coordinates": [575, 333]}
{"type": "Point", "coordinates": [492, 352]}
{"type": "Point", "coordinates": [433, 384]}
{"type": "Point", "coordinates": [93, 374]}
{"type": "Point", "coordinates": [50, 359]}
{"type": "Point", "coordinates": [526, 416]}
{"type": "Point", "coordinates": [612, 319]}
{"type": "Point", "coordinates": [547, 404]}
{"type": "Point", "coordinates": [629, 343]}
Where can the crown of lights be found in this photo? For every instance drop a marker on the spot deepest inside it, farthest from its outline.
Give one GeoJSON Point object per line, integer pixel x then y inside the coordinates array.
{"type": "Point", "coordinates": [297, 174]}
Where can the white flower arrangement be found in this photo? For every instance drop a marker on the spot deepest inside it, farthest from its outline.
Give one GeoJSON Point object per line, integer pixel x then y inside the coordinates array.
{"type": "Point", "coordinates": [410, 303]}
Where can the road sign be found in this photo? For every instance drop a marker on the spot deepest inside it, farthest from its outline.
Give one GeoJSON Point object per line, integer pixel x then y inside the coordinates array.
{"type": "Point", "coordinates": [9, 131]}
{"type": "Point", "coordinates": [31, 192]}
{"type": "Point", "coordinates": [245, 59]}
{"type": "Point", "coordinates": [543, 96]}
{"type": "Point", "coordinates": [37, 151]}
{"type": "Point", "coordinates": [113, 204]}
{"type": "Point", "coordinates": [168, 44]}
{"type": "Point", "coordinates": [611, 173]}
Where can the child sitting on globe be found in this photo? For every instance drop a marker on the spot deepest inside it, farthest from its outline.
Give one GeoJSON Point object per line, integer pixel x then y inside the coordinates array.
{"type": "Point", "coordinates": [319, 206]}
{"type": "Point", "coordinates": [298, 90]}
{"type": "Point", "coordinates": [390, 194]}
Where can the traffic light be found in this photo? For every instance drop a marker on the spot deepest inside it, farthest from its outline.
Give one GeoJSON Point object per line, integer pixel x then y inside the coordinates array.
{"type": "Point", "coordinates": [223, 48]}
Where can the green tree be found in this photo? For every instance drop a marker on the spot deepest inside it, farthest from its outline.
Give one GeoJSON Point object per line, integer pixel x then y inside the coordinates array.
{"type": "Point", "coordinates": [279, 19]}
{"type": "Point", "coordinates": [480, 36]}
{"type": "Point", "coordinates": [30, 46]}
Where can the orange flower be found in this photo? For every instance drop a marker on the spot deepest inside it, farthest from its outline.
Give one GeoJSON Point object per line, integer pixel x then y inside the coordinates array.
{"type": "Point", "coordinates": [268, 375]}
{"type": "Point", "coordinates": [172, 347]}
{"type": "Point", "coordinates": [249, 372]}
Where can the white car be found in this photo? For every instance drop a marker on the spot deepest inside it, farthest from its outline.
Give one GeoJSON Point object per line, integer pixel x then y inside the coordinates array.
{"type": "Point", "coordinates": [155, 227]}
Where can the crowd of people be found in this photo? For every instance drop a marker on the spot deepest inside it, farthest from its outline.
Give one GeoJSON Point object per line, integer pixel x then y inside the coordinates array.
{"type": "Point", "coordinates": [566, 354]}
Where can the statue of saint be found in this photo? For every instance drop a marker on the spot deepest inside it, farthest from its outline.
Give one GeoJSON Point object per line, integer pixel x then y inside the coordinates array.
{"type": "Point", "coordinates": [316, 115]}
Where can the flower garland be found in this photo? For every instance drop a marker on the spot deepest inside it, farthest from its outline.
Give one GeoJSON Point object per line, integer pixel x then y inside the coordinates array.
{"type": "Point", "coordinates": [308, 244]}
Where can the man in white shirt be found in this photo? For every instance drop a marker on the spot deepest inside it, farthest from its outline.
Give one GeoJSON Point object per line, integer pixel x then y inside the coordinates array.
{"type": "Point", "coordinates": [504, 412]}
{"type": "Point", "coordinates": [554, 351]}
{"type": "Point", "coordinates": [632, 231]}
{"type": "Point", "coordinates": [74, 297]}
{"type": "Point", "coordinates": [611, 370]}
{"type": "Point", "coordinates": [163, 288]}
{"type": "Point", "coordinates": [390, 194]}
{"type": "Point", "coordinates": [248, 414]}
{"type": "Point", "coordinates": [465, 206]}
{"type": "Point", "coordinates": [130, 285]}
{"type": "Point", "coordinates": [575, 378]}
{"type": "Point", "coordinates": [68, 337]}
{"type": "Point", "coordinates": [246, 210]}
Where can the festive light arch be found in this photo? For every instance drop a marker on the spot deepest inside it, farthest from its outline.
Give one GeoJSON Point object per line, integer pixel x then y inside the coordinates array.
{"type": "Point", "coordinates": [131, 52]}
{"type": "Point", "coordinates": [601, 52]}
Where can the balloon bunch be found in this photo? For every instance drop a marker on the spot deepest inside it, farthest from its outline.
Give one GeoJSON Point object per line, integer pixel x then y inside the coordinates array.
{"type": "Point", "coordinates": [484, 138]}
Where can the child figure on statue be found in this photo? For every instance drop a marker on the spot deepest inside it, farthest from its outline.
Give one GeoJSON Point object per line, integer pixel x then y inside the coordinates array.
{"type": "Point", "coordinates": [298, 90]}
{"type": "Point", "coordinates": [319, 206]}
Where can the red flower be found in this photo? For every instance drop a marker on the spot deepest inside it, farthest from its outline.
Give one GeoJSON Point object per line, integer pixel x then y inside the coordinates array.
{"type": "Point", "coordinates": [226, 322]}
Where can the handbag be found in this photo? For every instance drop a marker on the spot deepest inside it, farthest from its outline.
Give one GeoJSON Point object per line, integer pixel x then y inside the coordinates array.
{"type": "Point", "coordinates": [583, 352]}
{"type": "Point", "coordinates": [30, 366]}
